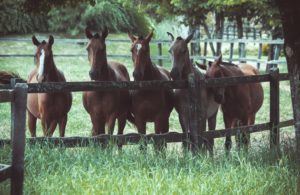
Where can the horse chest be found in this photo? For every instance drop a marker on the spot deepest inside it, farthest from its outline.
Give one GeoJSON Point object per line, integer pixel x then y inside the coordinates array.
{"type": "Point", "coordinates": [101, 102]}
{"type": "Point", "coordinates": [149, 103]}
{"type": "Point", "coordinates": [53, 105]}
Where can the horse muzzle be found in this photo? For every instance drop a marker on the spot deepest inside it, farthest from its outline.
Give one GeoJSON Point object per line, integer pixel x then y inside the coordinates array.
{"type": "Point", "coordinates": [93, 74]}
{"type": "Point", "coordinates": [219, 98]}
{"type": "Point", "coordinates": [175, 73]}
{"type": "Point", "coordinates": [137, 75]}
{"type": "Point", "coordinates": [40, 78]}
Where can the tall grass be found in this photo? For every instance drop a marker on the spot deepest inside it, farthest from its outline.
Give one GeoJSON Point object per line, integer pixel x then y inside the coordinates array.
{"type": "Point", "coordinates": [93, 170]}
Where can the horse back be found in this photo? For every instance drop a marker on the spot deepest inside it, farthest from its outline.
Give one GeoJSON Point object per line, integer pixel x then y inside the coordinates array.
{"type": "Point", "coordinates": [120, 71]}
{"type": "Point", "coordinates": [256, 90]}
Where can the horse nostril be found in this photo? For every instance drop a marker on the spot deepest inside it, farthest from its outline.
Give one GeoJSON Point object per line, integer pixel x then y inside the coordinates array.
{"type": "Point", "coordinates": [219, 98]}
{"type": "Point", "coordinates": [136, 75]}
{"type": "Point", "coordinates": [93, 75]}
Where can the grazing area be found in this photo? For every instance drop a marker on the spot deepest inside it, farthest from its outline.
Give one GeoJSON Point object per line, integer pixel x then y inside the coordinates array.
{"type": "Point", "coordinates": [95, 170]}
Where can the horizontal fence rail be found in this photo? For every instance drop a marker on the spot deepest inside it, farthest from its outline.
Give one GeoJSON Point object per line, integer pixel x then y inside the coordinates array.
{"type": "Point", "coordinates": [146, 85]}
{"type": "Point", "coordinates": [135, 138]}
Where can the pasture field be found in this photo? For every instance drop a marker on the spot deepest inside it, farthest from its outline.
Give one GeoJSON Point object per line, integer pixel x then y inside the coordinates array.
{"type": "Point", "coordinates": [108, 171]}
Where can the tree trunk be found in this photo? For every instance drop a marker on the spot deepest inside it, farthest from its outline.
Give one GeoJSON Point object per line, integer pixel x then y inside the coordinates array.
{"type": "Point", "coordinates": [290, 16]}
{"type": "Point", "coordinates": [219, 26]}
{"type": "Point", "coordinates": [209, 37]}
{"type": "Point", "coordinates": [239, 23]}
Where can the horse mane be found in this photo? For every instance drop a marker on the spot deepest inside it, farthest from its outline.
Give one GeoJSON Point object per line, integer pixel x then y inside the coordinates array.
{"type": "Point", "coordinates": [228, 64]}
{"type": "Point", "coordinates": [179, 38]}
{"type": "Point", "coordinates": [5, 76]}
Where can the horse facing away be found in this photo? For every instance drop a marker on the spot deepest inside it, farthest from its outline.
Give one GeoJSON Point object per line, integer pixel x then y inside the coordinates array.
{"type": "Point", "coordinates": [149, 105]}
{"type": "Point", "coordinates": [105, 107]}
{"type": "Point", "coordinates": [51, 108]}
{"type": "Point", "coordinates": [240, 103]}
{"type": "Point", "coordinates": [182, 67]}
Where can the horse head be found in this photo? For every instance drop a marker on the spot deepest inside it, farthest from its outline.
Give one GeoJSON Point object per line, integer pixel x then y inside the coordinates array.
{"type": "Point", "coordinates": [43, 57]}
{"type": "Point", "coordinates": [96, 53]}
{"type": "Point", "coordinates": [215, 70]}
{"type": "Point", "coordinates": [179, 55]}
{"type": "Point", "coordinates": [140, 54]}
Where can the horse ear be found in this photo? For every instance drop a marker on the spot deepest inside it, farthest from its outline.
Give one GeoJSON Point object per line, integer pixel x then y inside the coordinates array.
{"type": "Point", "coordinates": [219, 60]}
{"type": "Point", "coordinates": [35, 41]}
{"type": "Point", "coordinates": [132, 37]}
{"type": "Point", "coordinates": [88, 34]}
{"type": "Point", "coordinates": [201, 66]}
{"type": "Point", "coordinates": [50, 40]}
{"type": "Point", "coordinates": [149, 36]}
{"type": "Point", "coordinates": [104, 33]}
{"type": "Point", "coordinates": [189, 38]}
{"type": "Point", "coordinates": [171, 35]}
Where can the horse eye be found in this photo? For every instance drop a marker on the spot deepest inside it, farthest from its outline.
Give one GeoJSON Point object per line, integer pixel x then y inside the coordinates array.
{"type": "Point", "coordinates": [170, 51]}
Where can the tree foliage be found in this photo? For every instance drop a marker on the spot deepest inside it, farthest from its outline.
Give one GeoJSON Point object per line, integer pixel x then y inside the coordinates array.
{"type": "Point", "coordinates": [70, 17]}
{"type": "Point", "coordinates": [14, 20]}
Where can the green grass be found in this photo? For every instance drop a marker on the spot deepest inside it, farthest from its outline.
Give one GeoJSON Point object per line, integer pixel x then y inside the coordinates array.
{"type": "Point", "coordinates": [96, 171]}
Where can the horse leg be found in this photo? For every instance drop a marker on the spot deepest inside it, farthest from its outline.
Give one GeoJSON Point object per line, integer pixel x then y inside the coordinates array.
{"type": "Point", "coordinates": [228, 123]}
{"type": "Point", "coordinates": [111, 124]}
{"type": "Point", "coordinates": [211, 126]}
{"type": "Point", "coordinates": [44, 126]}
{"type": "Point", "coordinates": [161, 127]}
{"type": "Point", "coordinates": [121, 126]}
{"type": "Point", "coordinates": [52, 125]}
{"type": "Point", "coordinates": [32, 124]}
{"type": "Point", "coordinates": [141, 127]}
{"type": "Point", "coordinates": [246, 135]}
{"type": "Point", "coordinates": [184, 126]}
{"type": "Point", "coordinates": [98, 125]}
{"type": "Point", "coordinates": [62, 126]}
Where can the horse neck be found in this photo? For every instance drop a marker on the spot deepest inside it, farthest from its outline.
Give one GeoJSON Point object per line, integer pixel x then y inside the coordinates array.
{"type": "Point", "coordinates": [187, 69]}
{"type": "Point", "coordinates": [151, 71]}
{"type": "Point", "coordinates": [229, 71]}
{"type": "Point", "coordinates": [53, 74]}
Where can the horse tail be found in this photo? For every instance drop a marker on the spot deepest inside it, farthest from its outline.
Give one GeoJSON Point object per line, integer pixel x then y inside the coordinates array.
{"type": "Point", "coordinates": [5, 76]}
{"type": "Point", "coordinates": [130, 118]}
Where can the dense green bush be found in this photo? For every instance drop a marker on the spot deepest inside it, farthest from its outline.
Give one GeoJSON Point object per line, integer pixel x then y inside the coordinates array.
{"type": "Point", "coordinates": [105, 13]}
{"type": "Point", "coordinates": [72, 20]}
{"type": "Point", "coordinates": [14, 20]}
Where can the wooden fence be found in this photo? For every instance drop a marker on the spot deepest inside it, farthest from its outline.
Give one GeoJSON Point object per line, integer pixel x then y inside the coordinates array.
{"type": "Point", "coordinates": [201, 55]}
{"type": "Point", "coordinates": [195, 87]}
{"type": "Point", "coordinates": [18, 98]}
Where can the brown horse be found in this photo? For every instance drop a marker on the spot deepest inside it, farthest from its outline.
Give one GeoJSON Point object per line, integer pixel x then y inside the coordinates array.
{"type": "Point", "coordinates": [105, 107]}
{"type": "Point", "coordinates": [240, 103]}
{"type": "Point", "coordinates": [182, 67]}
{"type": "Point", "coordinates": [51, 108]}
{"type": "Point", "coordinates": [5, 77]}
{"type": "Point", "coordinates": [149, 105]}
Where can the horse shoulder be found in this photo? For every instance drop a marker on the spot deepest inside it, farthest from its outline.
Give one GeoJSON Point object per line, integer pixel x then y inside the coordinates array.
{"type": "Point", "coordinates": [248, 69]}
{"type": "Point", "coordinates": [31, 77]}
{"type": "Point", "coordinates": [120, 71]}
{"type": "Point", "coordinates": [164, 73]}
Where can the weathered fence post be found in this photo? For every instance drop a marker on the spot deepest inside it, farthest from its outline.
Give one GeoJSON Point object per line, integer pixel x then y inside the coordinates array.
{"type": "Point", "coordinates": [18, 137]}
{"type": "Point", "coordinates": [231, 51]}
{"type": "Point", "coordinates": [274, 109]}
{"type": "Point", "coordinates": [242, 51]}
{"type": "Point", "coordinates": [13, 83]}
{"type": "Point", "coordinates": [204, 52]}
{"type": "Point", "coordinates": [197, 118]}
{"type": "Point", "coordinates": [259, 55]}
{"type": "Point", "coordinates": [160, 61]}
